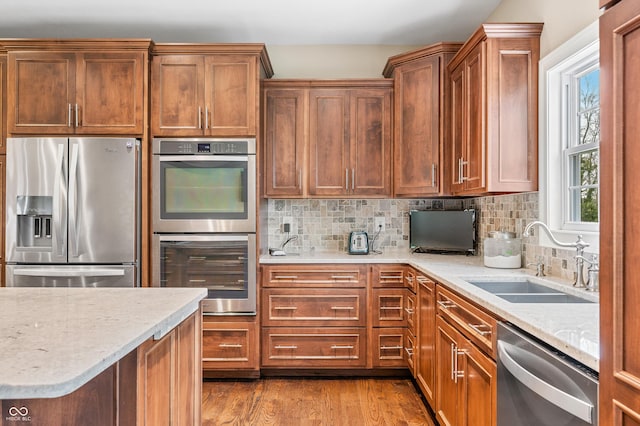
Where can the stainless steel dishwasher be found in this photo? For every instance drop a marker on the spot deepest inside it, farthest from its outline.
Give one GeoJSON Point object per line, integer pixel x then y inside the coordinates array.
{"type": "Point", "coordinates": [538, 386]}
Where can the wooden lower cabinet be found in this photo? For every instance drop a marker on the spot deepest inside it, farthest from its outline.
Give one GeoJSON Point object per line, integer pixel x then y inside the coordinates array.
{"type": "Point", "coordinates": [466, 380]}
{"type": "Point", "coordinates": [426, 334]}
{"type": "Point", "coordinates": [230, 346]}
{"type": "Point", "coordinates": [387, 347]}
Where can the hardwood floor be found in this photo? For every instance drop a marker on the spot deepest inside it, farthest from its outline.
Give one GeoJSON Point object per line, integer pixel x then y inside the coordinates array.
{"type": "Point", "coordinates": [313, 401]}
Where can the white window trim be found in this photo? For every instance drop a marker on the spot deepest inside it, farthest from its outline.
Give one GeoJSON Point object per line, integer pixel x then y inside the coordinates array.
{"type": "Point", "coordinates": [582, 46]}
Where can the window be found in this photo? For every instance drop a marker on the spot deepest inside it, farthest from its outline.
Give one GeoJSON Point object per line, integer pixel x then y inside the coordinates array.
{"type": "Point", "coordinates": [570, 139]}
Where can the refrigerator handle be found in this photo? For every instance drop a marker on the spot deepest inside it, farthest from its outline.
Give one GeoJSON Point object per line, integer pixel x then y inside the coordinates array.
{"type": "Point", "coordinates": [73, 201]}
{"type": "Point", "coordinates": [53, 272]}
{"type": "Point", "coordinates": [57, 204]}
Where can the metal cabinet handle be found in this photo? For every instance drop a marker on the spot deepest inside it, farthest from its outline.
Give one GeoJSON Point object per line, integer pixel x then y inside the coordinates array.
{"type": "Point", "coordinates": [433, 175]}
{"type": "Point", "coordinates": [391, 308]}
{"type": "Point", "coordinates": [206, 117]}
{"type": "Point", "coordinates": [300, 178]}
{"type": "Point", "coordinates": [557, 397]}
{"type": "Point", "coordinates": [229, 345]}
{"type": "Point", "coordinates": [69, 116]}
{"type": "Point", "coordinates": [353, 179]}
{"type": "Point", "coordinates": [197, 281]}
{"type": "Point", "coordinates": [342, 308]}
{"type": "Point", "coordinates": [453, 362]}
{"type": "Point", "coordinates": [389, 348]}
{"type": "Point", "coordinates": [341, 346]}
{"type": "Point", "coordinates": [409, 352]}
{"type": "Point", "coordinates": [461, 164]}
{"type": "Point", "coordinates": [410, 311]}
{"type": "Point", "coordinates": [286, 347]}
{"type": "Point", "coordinates": [457, 373]}
{"type": "Point", "coordinates": [346, 179]}
{"type": "Point", "coordinates": [77, 119]}
{"type": "Point", "coordinates": [285, 308]}
{"type": "Point", "coordinates": [478, 328]}
{"type": "Point", "coordinates": [199, 117]}
{"type": "Point", "coordinates": [197, 257]}
{"type": "Point", "coordinates": [446, 304]}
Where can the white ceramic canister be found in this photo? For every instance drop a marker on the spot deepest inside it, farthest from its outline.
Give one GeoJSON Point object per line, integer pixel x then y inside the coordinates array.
{"type": "Point", "coordinates": [502, 250]}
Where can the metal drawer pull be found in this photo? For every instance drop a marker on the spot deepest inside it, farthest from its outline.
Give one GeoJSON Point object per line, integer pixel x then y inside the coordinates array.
{"type": "Point", "coordinates": [197, 281]}
{"type": "Point", "coordinates": [446, 304]}
{"type": "Point", "coordinates": [341, 347]}
{"type": "Point", "coordinates": [433, 174]}
{"type": "Point", "coordinates": [342, 308]}
{"type": "Point", "coordinates": [458, 373]}
{"type": "Point", "coordinates": [453, 361]}
{"type": "Point", "coordinates": [342, 277]}
{"type": "Point", "coordinates": [197, 257]}
{"type": "Point", "coordinates": [199, 117]}
{"type": "Point", "coordinates": [478, 328]}
{"type": "Point", "coordinates": [286, 347]}
{"type": "Point", "coordinates": [409, 352]}
{"type": "Point", "coordinates": [390, 308]}
{"type": "Point", "coordinates": [285, 308]}
{"type": "Point", "coordinates": [559, 398]}
{"type": "Point", "coordinates": [410, 311]}
{"type": "Point", "coordinates": [285, 277]}
{"type": "Point", "coordinates": [229, 345]}
{"type": "Point", "coordinates": [389, 348]}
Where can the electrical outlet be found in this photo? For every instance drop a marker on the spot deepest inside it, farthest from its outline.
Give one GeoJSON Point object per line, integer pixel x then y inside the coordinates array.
{"type": "Point", "coordinates": [380, 223]}
{"type": "Point", "coordinates": [287, 224]}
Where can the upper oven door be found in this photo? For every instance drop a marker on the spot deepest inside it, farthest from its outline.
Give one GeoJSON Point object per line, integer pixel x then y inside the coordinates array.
{"type": "Point", "coordinates": [204, 193]}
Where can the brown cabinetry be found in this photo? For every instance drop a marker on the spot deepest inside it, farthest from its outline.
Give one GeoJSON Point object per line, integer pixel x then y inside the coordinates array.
{"type": "Point", "coordinates": [3, 102]}
{"type": "Point", "coordinates": [421, 119]}
{"type": "Point", "coordinates": [95, 87]}
{"type": "Point", "coordinates": [426, 337]}
{"type": "Point", "coordinates": [494, 80]}
{"type": "Point", "coordinates": [314, 316]}
{"type": "Point", "coordinates": [230, 346]}
{"type": "Point", "coordinates": [335, 138]}
{"type": "Point", "coordinates": [206, 90]}
{"type": "Point", "coordinates": [619, 243]}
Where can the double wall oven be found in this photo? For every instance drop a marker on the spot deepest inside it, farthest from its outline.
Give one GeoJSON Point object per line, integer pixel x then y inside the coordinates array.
{"type": "Point", "coordinates": [204, 220]}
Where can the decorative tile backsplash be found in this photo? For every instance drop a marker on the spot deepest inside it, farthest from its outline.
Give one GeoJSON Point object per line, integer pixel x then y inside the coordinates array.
{"type": "Point", "coordinates": [325, 224]}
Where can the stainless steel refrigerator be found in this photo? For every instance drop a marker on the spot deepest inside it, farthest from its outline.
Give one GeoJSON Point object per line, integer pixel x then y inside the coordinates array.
{"type": "Point", "coordinates": [72, 212]}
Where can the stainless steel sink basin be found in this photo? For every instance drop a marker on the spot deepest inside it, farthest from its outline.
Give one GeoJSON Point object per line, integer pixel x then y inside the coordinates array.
{"type": "Point", "coordinates": [525, 291]}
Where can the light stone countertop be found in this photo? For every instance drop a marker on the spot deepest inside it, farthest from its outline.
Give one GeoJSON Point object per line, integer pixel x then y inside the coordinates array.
{"type": "Point", "coordinates": [55, 340]}
{"type": "Point", "coordinates": [570, 328]}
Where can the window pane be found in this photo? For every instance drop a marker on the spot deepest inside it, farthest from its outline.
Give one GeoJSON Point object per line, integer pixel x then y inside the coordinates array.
{"type": "Point", "coordinates": [584, 168]}
{"type": "Point", "coordinates": [589, 86]}
{"type": "Point", "coordinates": [589, 205]}
{"type": "Point", "coordinates": [588, 108]}
{"type": "Point", "coordinates": [589, 126]}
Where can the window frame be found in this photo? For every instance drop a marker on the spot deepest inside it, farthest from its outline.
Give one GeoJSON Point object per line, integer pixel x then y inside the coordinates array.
{"type": "Point", "coordinates": [577, 55]}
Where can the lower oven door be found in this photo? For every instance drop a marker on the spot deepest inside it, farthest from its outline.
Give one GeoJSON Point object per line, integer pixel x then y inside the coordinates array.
{"type": "Point", "coordinates": [540, 387]}
{"type": "Point", "coordinates": [224, 264]}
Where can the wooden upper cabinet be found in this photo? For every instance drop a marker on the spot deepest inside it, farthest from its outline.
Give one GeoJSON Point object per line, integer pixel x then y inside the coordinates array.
{"type": "Point", "coordinates": [494, 111]}
{"type": "Point", "coordinates": [207, 89]}
{"type": "Point", "coordinates": [284, 139]}
{"type": "Point", "coordinates": [327, 138]}
{"type": "Point", "coordinates": [421, 105]}
{"type": "Point", "coordinates": [619, 244]}
{"type": "Point", "coordinates": [3, 102]}
{"type": "Point", "coordinates": [92, 87]}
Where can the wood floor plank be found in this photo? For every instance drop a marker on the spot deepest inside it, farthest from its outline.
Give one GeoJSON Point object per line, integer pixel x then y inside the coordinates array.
{"type": "Point", "coordinates": [313, 402]}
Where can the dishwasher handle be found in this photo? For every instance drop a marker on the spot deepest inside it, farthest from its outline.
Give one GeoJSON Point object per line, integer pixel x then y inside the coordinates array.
{"type": "Point", "coordinates": [569, 403]}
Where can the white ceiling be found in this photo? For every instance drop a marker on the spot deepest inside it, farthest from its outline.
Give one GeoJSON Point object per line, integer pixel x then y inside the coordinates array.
{"type": "Point", "coordinates": [277, 22]}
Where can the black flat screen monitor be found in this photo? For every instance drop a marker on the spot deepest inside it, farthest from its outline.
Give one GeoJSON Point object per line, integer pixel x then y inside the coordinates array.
{"type": "Point", "coordinates": [440, 231]}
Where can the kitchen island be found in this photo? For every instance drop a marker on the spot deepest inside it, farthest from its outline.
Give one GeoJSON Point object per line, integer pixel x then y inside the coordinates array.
{"type": "Point", "coordinates": [100, 355]}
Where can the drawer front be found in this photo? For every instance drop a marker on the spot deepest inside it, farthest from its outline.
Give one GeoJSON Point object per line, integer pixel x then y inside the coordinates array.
{"type": "Point", "coordinates": [388, 307]}
{"type": "Point", "coordinates": [410, 311]}
{"type": "Point", "coordinates": [301, 276]}
{"type": "Point", "coordinates": [387, 347]}
{"type": "Point", "coordinates": [410, 281]}
{"type": "Point", "coordinates": [300, 307]}
{"type": "Point", "coordinates": [311, 347]}
{"type": "Point", "coordinates": [384, 276]}
{"type": "Point", "coordinates": [229, 345]}
{"type": "Point", "coordinates": [410, 353]}
{"type": "Point", "coordinates": [470, 320]}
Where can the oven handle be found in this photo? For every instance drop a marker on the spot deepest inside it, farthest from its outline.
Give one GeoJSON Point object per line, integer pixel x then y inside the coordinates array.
{"type": "Point", "coordinates": [569, 403]}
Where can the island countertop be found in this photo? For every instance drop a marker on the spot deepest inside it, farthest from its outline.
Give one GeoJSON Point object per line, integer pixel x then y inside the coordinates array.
{"type": "Point", "coordinates": [54, 340]}
{"type": "Point", "coordinates": [570, 328]}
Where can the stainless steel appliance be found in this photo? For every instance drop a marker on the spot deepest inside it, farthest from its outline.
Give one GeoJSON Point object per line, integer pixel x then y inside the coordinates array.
{"type": "Point", "coordinates": [204, 185]}
{"type": "Point", "coordinates": [72, 212]}
{"type": "Point", "coordinates": [358, 242]}
{"type": "Point", "coordinates": [538, 386]}
{"type": "Point", "coordinates": [225, 264]}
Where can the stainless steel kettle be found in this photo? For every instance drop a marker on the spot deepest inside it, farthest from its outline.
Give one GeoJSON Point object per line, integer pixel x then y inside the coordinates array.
{"type": "Point", "coordinates": [358, 242]}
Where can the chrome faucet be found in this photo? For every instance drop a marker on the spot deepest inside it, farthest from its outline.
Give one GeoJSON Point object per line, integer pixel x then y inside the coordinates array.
{"type": "Point", "coordinates": [579, 245]}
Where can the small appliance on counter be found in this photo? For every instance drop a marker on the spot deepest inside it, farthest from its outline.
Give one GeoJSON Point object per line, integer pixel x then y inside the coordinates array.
{"type": "Point", "coordinates": [358, 242]}
{"type": "Point", "coordinates": [502, 250]}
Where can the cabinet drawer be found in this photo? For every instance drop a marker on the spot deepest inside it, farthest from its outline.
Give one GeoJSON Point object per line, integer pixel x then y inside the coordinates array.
{"type": "Point", "coordinates": [410, 281]}
{"type": "Point", "coordinates": [410, 310]}
{"type": "Point", "coordinates": [228, 345]}
{"type": "Point", "coordinates": [387, 347]}
{"type": "Point", "coordinates": [387, 276]}
{"type": "Point", "coordinates": [388, 307]}
{"type": "Point", "coordinates": [470, 320]}
{"type": "Point", "coordinates": [314, 276]}
{"type": "Point", "coordinates": [313, 347]}
{"type": "Point", "coordinates": [299, 307]}
{"type": "Point", "coordinates": [410, 351]}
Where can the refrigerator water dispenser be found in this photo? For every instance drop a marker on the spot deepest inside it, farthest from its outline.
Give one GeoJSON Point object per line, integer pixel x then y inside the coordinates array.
{"type": "Point", "coordinates": [34, 216]}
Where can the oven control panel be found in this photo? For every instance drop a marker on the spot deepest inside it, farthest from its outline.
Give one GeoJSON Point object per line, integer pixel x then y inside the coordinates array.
{"type": "Point", "coordinates": [203, 146]}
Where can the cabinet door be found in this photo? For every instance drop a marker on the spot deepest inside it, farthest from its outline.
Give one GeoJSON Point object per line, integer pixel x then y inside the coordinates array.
{"type": "Point", "coordinates": [284, 140]}
{"type": "Point", "coordinates": [458, 117]}
{"type": "Point", "coordinates": [477, 386]}
{"type": "Point", "coordinates": [446, 407]}
{"type": "Point", "coordinates": [231, 95]}
{"type": "Point", "coordinates": [177, 95]}
{"type": "Point", "coordinates": [329, 165]}
{"type": "Point", "coordinates": [110, 93]}
{"type": "Point", "coordinates": [3, 159]}
{"type": "Point", "coordinates": [425, 375]}
{"type": "Point", "coordinates": [620, 218]}
{"type": "Point", "coordinates": [41, 92]}
{"type": "Point", "coordinates": [3, 104]}
{"type": "Point", "coordinates": [370, 142]}
{"type": "Point", "coordinates": [474, 154]}
{"type": "Point", "coordinates": [417, 124]}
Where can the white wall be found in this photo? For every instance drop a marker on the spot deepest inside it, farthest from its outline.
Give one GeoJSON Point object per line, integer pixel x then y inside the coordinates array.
{"type": "Point", "coordinates": [562, 18]}
{"type": "Point", "coordinates": [331, 61]}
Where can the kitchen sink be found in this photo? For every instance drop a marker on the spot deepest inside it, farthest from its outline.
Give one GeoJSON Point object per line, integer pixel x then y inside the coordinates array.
{"type": "Point", "coordinates": [526, 291]}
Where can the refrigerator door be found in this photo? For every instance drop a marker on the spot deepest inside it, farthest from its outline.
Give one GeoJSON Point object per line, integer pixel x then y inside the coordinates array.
{"type": "Point", "coordinates": [36, 200]}
{"type": "Point", "coordinates": [103, 200]}
{"type": "Point", "coordinates": [70, 276]}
